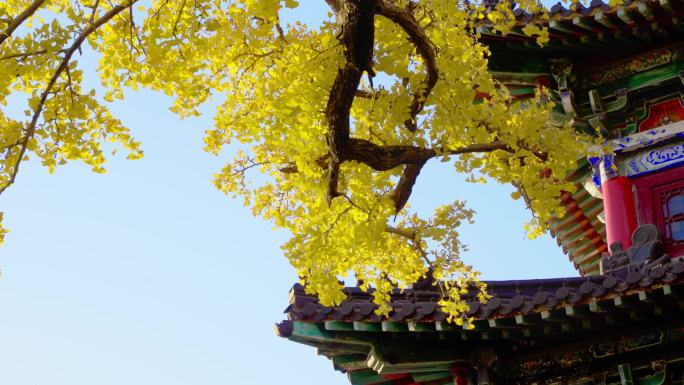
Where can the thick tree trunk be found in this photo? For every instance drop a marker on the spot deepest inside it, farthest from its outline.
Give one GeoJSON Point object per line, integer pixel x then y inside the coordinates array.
{"type": "Point", "coordinates": [357, 36]}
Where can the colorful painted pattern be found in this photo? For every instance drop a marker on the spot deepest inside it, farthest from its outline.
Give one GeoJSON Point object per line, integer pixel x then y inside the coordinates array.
{"type": "Point", "coordinates": [642, 63]}
{"type": "Point", "coordinates": [652, 160]}
{"type": "Point", "coordinates": [663, 113]}
{"type": "Point", "coordinates": [647, 138]}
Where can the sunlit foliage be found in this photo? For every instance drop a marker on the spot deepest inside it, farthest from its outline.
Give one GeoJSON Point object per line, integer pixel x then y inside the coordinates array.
{"type": "Point", "coordinates": [339, 164]}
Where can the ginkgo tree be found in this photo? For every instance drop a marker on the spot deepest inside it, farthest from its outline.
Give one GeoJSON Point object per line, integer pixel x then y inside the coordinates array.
{"type": "Point", "coordinates": [340, 118]}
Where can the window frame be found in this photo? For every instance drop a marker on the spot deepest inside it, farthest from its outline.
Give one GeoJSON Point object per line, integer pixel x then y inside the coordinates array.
{"type": "Point", "coordinates": [649, 205]}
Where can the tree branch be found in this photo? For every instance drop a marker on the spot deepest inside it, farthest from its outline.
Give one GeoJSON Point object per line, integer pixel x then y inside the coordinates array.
{"type": "Point", "coordinates": [357, 36]}
{"type": "Point", "coordinates": [17, 21]}
{"type": "Point", "coordinates": [356, 21]}
{"type": "Point", "coordinates": [383, 158]}
{"type": "Point", "coordinates": [24, 55]}
{"type": "Point", "coordinates": [411, 236]}
{"type": "Point", "coordinates": [63, 65]}
{"type": "Point", "coordinates": [404, 18]}
{"type": "Point", "coordinates": [405, 186]}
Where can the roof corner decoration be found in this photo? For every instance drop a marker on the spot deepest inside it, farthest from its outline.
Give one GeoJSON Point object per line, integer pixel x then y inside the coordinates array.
{"type": "Point", "coordinates": [645, 252]}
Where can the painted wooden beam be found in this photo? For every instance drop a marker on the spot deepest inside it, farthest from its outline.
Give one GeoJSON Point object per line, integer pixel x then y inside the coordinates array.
{"type": "Point", "coordinates": [350, 362]}
{"type": "Point", "coordinates": [577, 311]}
{"type": "Point", "coordinates": [625, 15]}
{"type": "Point", "coordinates": [554, 315]}
{"type": "Point", "coordinates": [625, 301]}
{"type": "Point", "coordinates": [367, 377]}
{"type": "Point", "coordinates": [604, 20]}
{"type": "Point", "coordinates": [674, 292]}
{"type": "Point", "coordinates": [646, 11]}
{"type": "Point", "coordinates": [502, 323]}
{"type": "Point", "coordinates": [367, 326]}
{"type": "Point", "coordinates": [601, 307]}
{"type": "Point", "coordinates": [424, 377]}
{"type": "Point", "coordinates": [389, 326]}
{"type": "Point", "coordinates": [339, 326]}
{"type": "Point", "coordinates": [659, 377]}
{"type": "Point", "coordinates": [308, 329]}
{"type": "Point", "coordinates": [587, 24]}
{"type": "Point", "coordinates": [625, 374]}
{"type": "Point", "coordinates": [650, 296]}
{"type": "Point", "coordinates": [533, 319]}
{"type": "Point", "coordinates": [444, 326]}
{"type": "Point", "coordinates": [421, 326]}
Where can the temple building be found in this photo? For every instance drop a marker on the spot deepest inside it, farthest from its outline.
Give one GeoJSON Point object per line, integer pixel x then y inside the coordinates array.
{"type": "Point", "coordinates": [616, 70]}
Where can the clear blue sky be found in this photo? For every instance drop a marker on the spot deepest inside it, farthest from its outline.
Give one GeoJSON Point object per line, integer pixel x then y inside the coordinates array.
{"type": "Point", "coordinates": [148, 275]}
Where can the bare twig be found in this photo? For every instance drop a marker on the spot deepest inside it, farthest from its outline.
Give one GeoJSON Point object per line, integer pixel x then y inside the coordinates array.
{"type": "Point", "coordinates": [175, 29]}
{"type": "Point", "coordinates": [413, 238]}
{"type": "Point", "coordinates": [94, 12]}
{"type": "Point", "coordinates": [24, 55]}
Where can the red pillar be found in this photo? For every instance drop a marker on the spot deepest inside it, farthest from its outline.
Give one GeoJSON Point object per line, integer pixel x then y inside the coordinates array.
{"type": "Point", "coordinates": [460, 375]}
{"type": "Point", "coordinates": [619, 210]}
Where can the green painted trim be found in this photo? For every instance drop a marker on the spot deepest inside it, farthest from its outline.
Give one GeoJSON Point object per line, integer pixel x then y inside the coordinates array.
{"type": "Point", "coordinates": [389, 326]}
{"type": "Point", "coordinates": [339, 326]}
{"type": "Point", "coordinates": [522, 91]}
{"type": "Point", "coordinates": [600, 307]}
{"type": "Point", "coordinates": [656, 379]}
{"type": "Point", "coordinates": [422, 377]}
{"type": "Point", "coordinates": [444, 326]}
{"type": "Point", "coordinates": [560, 26]}
{"type": "Point", "coordinates": [644, 79]}
{"type": "Point", "coordinates": [308, 329]}
{"type": "Point", "coordinates": [587, 267]}
{"type": "Point", "coordinates": [522, 78]}
{"type": "Point", "coordinates": [563, 234]}
{"type": "Point", "coordinates": [367, 326]}
{"type": "Point", "coordinates": [579, 246]}
{"type": "Point", "coordinates": [350, 362]}
{"type": "Point", "coordinates": [411, 367]}
{"type": "Point", "coordinates": [366, 377]}
{"type": "Point", "coordinates": [421, 326]}
{"type": "Point", "coordinates": [616, 105]}
{"type": "Point", "coordinates": [315, 334]}
{"type": "Point", "coordinates": [655, 76]}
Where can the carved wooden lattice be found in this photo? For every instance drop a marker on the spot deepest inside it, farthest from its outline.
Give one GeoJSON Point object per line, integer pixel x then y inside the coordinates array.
{"type": "Point", "coordinates": [672, 214]}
